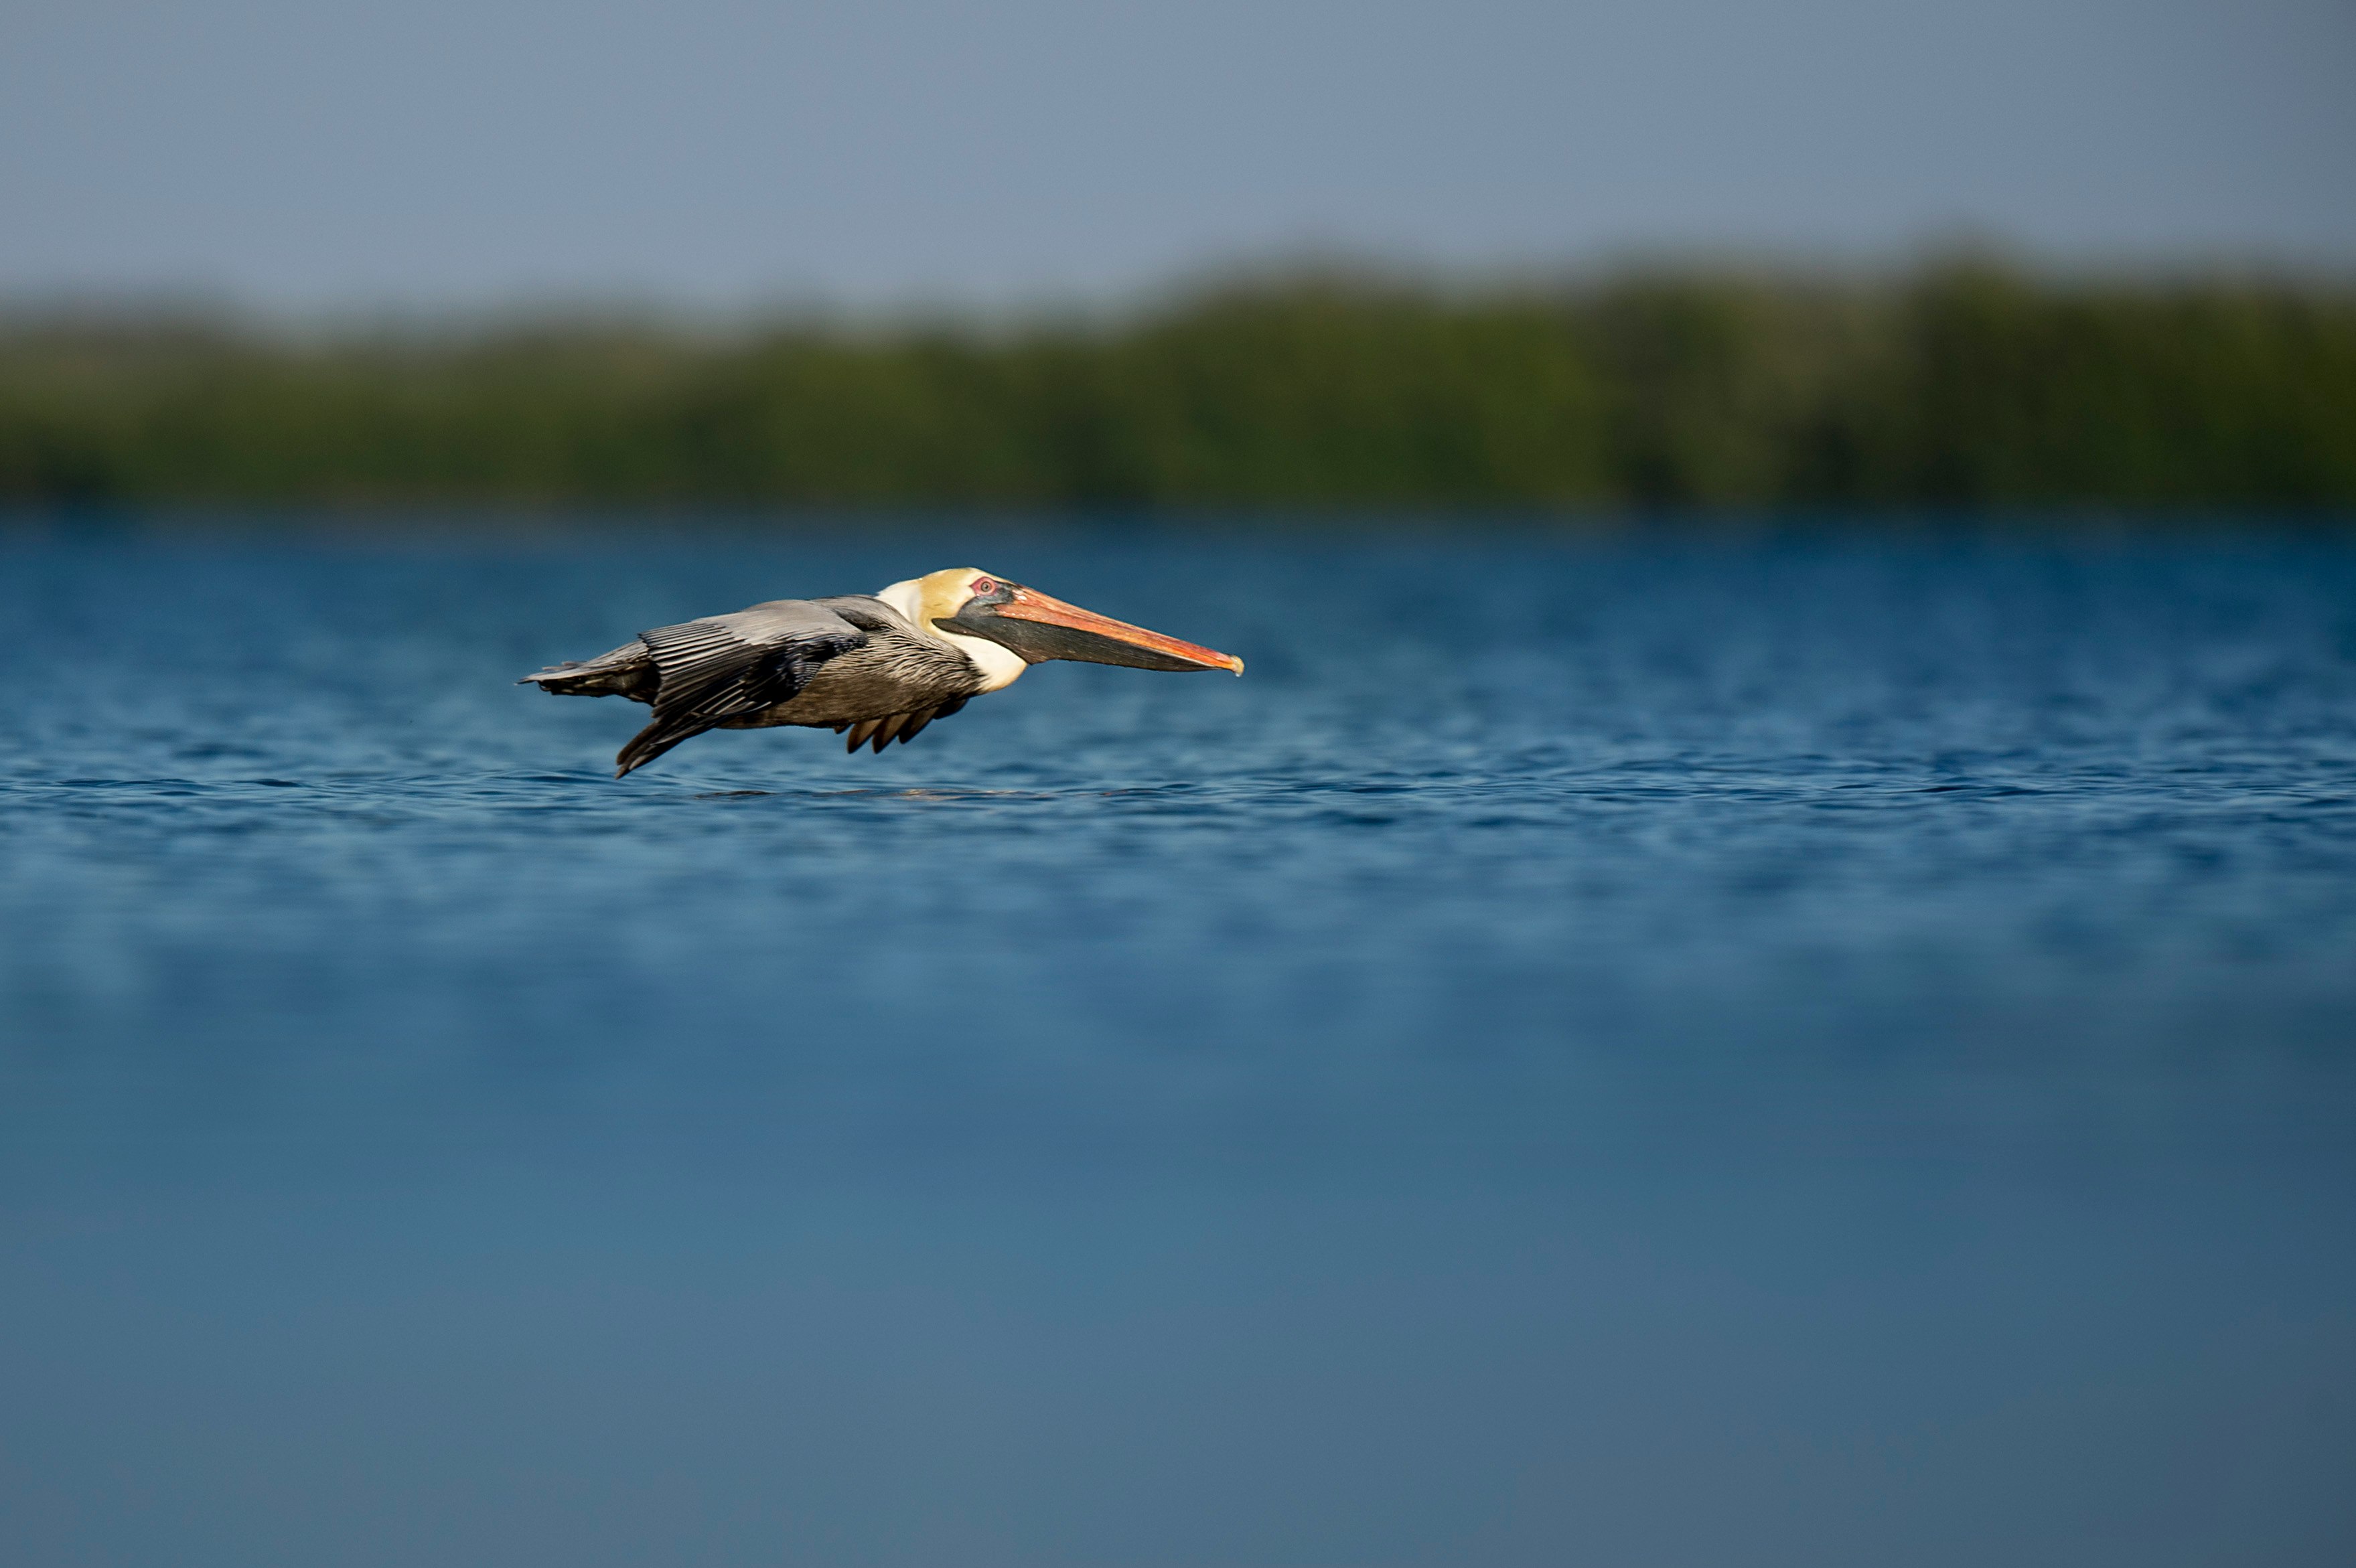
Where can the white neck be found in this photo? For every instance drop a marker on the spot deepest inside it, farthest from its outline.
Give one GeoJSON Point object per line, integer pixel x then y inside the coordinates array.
{"type": "Point", "coordinates": [1000, 665]}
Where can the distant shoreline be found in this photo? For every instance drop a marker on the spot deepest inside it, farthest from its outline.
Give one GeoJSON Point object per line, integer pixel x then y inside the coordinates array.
{"type": "Point", "coordinates": [1958, 387]}
{"type": "Point", "coordinates": [396, 523]}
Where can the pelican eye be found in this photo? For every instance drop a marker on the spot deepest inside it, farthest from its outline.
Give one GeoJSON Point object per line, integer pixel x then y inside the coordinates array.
{"type": "Point", "coordinates": [984, 585]}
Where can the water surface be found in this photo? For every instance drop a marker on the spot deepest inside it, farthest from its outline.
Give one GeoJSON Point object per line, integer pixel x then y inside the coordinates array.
{"type": "Point", "coordinates": [1658, 1049]}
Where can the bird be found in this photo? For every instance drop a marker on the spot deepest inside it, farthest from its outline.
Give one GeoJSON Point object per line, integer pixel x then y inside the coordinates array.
{"type": "Point", "coordinates": [882, 665]}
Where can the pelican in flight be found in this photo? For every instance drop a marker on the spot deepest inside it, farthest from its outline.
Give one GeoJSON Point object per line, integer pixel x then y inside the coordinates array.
{"type": "Point", "coordinates": [880, 666]}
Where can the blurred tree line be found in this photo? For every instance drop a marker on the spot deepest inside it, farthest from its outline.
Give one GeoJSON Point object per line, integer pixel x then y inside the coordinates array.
{"type": "Point", "coordinates": [1959, 385]}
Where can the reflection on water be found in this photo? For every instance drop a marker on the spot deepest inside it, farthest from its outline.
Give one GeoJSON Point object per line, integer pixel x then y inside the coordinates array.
{"type": "Point", "coordinates": [1669, 1050]}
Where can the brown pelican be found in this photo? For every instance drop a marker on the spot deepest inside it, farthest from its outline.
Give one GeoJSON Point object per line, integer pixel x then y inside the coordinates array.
{"type": "Point", "coordinates": [880, 666]}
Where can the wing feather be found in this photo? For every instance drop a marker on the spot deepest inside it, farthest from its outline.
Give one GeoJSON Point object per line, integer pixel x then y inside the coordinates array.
{"type": "Point", "coordinates": [731, 666]}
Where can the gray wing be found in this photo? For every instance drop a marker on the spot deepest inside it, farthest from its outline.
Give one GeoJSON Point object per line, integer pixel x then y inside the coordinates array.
{"type": "Point", "coordinates": [729, 666]}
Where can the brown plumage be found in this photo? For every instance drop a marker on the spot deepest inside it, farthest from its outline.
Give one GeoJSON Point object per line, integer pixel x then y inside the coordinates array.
{"type": "Point", "coordinates": [881, 667]}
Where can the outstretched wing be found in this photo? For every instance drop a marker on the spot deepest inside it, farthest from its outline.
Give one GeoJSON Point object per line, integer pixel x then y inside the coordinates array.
{"type": "Point", "coordinates": [901, 727]}
{"type": "Point", "coordinates": [731, 666]}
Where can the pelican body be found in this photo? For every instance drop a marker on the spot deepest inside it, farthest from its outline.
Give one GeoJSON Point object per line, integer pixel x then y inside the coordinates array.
{"type": "Point", "coordinates": [880, 666]}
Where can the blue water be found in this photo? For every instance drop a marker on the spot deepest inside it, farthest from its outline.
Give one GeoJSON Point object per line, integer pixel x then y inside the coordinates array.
{"type": "Point", "coordinates": [1716, 1048]}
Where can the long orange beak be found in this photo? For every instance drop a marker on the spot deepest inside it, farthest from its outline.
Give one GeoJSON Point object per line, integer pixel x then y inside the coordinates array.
{"type": "Point", "coordinates": [1084, 634]}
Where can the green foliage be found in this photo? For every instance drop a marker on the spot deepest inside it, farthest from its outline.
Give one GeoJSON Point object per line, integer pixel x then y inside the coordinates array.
{"type": "Point", "coordinates": [1965, 385]}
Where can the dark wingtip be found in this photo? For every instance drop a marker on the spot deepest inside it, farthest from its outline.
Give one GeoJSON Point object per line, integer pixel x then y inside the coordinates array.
{"type": "Point", "coordinates": [636, 754]}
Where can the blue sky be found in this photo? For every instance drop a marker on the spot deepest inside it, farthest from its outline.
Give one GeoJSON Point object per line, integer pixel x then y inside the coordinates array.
{"type": "Point", "coordinates": [290, 153]}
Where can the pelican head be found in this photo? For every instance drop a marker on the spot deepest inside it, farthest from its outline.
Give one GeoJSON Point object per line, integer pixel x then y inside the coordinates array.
{"type": "Point", "coordinates": [1005, 617]}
